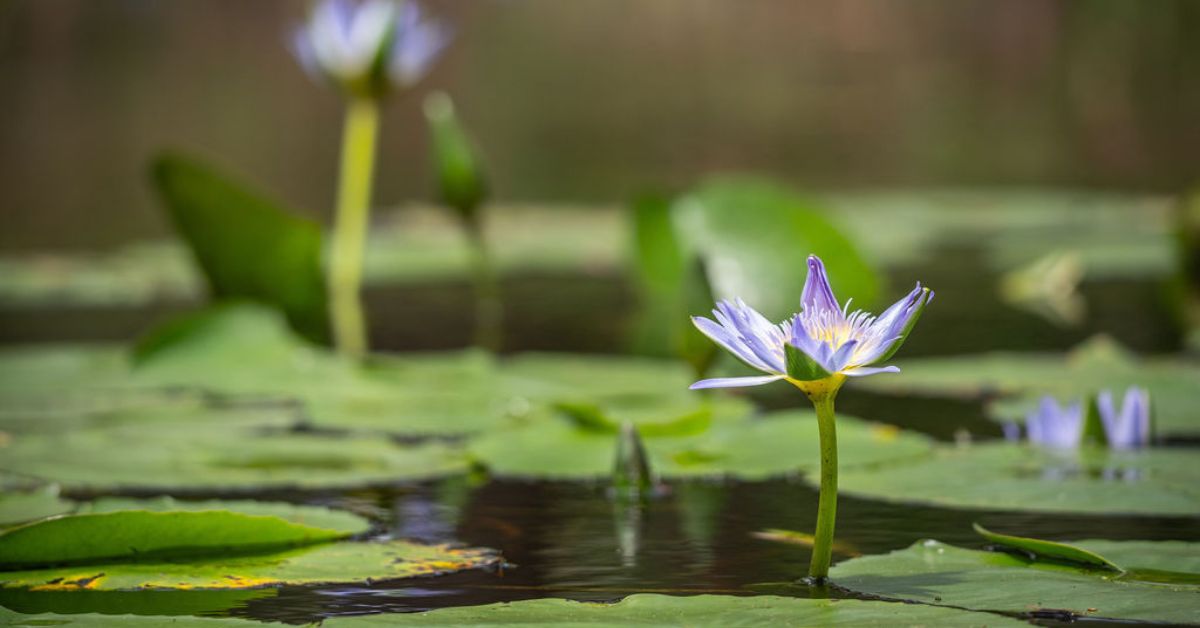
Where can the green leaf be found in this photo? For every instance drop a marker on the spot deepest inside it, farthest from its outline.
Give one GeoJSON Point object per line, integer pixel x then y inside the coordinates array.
{"type": "Point", "coordinates": [457, 162]}
{"type": "Point", "coordinates": [755, 238]}
{"type": "Point", "coordinates": [750, 448]}
{"type": "Point", "coordinates": [1008, 476]}
{"type": "Point", "coordinates": [166, 528]}
{"type": "Point", "coordinates": [801, 366]}
{"type": "Point", "coordinates": [316, 564]}
{"type": "Point", "coordinates": [931, 572]}
{"type": "Point", "coordinates": [22, 506]}
{"type": "Point", "coordinates": [247, 246]}
{"type": "Point", "coordinates": [648, 609]}
{"type": "Point", "coordinates": [1048, 549]}
{"type": "Point", "coordinates": [143, 535]}
{"type": "Point", "coordinates": [1092, 366]}
{"type": "Point", "coordinates": [204, 448]}
{"type": "Point", "coordinates": [97, 620]}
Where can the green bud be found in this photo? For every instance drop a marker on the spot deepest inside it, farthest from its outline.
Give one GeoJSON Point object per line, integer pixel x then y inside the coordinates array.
{"type": "Point", "coordinates": [460, 176]}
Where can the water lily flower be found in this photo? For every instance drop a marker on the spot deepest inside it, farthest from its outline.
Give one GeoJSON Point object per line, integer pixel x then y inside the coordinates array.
{"type": "Point", "coordinates": [1129, 428]}
{"type": "Point", "coordinates": [369, 48]}
{"type": "Point", "coordinates": [1067, 426]}
{"type": "Point", "coordinates": [1054, 425]}
{"type": "Point", "coordinates": [815, 350]}
{"type": "Point", "coordinates": [822, 342]}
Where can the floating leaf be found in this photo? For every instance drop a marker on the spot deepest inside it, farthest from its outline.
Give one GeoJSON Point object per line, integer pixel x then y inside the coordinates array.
{"type": "Point", "coordinates": [934, 573]}
{"type": "Point", "coordinates": [775, 444]}
{"type": "Point", "coordinates": [328, 563]}
{"type": "Point", "coordinates": [247, 246]}
{"type": "Point", "coordinates": [22, 506]}
{"type": "Point", "coordinates": [219, 449]}
{"type": "Point", "coordinates": [144, 535]}
{"type": "Point", "coordinates": [97, 620]}
{"type": "Point", "coordinates": [1094, 365]}
{"type": "Point", "coordinates": [1048, 549]}
{"type": "Point", "coordinates": [1008, 476]}
{"type": "Point", "coordinates": [647, 609]}
{"type": "Point", "coordinates": [755, 237]}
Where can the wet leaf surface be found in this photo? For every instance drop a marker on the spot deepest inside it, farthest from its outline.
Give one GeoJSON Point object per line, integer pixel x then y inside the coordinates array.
{"type": "Point", "coordinates": [344, 561]}
{"type": "Point", "coordinates": [935, 573]}
{"type": "Point", "coordinates": [700, 610]}
{"type": "Point", "coordinates": [1007, 476]}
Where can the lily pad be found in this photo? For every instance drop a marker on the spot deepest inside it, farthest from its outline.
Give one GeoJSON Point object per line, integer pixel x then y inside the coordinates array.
{"type": "Point", "coordinates": [753, 448]}
{"type": "Point", "coordinates": [649, 609]}
{"type": "Point", "coordinates": [22, 506]}
{"type": "Point", "coordinates": [328, 563]}
{"type": "Point", "coordinates": [1009, 476]}
{"type": "Point", "coordinates": [935, 573]}
{"type": "Point", "coordinates": [1099, 363]}
{"type": "Point", "coordinates": [219, 449]}
{"type": "Point", "coordinates": [97, 620]}
{"type": "Point", "coordinates": [106, 534]}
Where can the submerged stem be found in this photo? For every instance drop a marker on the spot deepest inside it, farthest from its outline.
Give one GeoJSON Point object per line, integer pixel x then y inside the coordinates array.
{"type": "Point", "coordinates": [350, 227]}
{"type": "Point", "coordinates": [822, 550]}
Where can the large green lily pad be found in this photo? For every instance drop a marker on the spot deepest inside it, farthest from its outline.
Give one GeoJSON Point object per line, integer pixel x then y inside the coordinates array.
{"type": "Point", "coordinates": [1094, 365]}
{"type": "Point", "coordinates": [214, 449]}
{"type": "Point", "coordinates": [165, 530]}
{"type": "Point", "coordinates": [753, 448]}
{"type": "Point", "coordinates": [648, 609]}
{"type": "Point", "coordinates": [328, 563]}
{"type": "Point", "coordinates": [935, 573]}
{"type": "Point", "coordinates": [1008, 476]}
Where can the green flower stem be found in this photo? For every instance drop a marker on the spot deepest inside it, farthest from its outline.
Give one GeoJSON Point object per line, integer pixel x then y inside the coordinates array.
{"type": "Point", "coordinates": [822, 549]}
{"type": "Point", "coordinates": [489, 309]}
{"type": "Point", "coordinates": [350, 226]}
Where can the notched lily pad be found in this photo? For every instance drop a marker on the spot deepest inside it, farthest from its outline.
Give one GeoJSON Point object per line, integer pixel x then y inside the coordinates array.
{"type": "Point", "coordinates": [1009, 476]}
{"type": "Point", "coordinates": [648, 609]}
{"type": "Point", "coordinates": [317, 564]}
{"type": "Point", "coordinates": [931, 572]}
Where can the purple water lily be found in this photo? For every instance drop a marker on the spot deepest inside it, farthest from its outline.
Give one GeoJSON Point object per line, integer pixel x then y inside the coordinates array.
{"type": "Point", "coordinates": [371, 47]}
{"type": "Point", "coordinates": [1063, 426]}
{"type": "Point", "coordinates": [1129, 428]}
{"type": "Point", "coordinates": [820, 342]}
{"type": "Point", "coordinates": [1054, 425]}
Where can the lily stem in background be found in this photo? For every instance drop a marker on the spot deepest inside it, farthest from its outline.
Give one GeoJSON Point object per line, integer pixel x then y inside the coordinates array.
{"type": "Point", "coordinates": [350, 227]}
{"type": "Point", "coordinates": [489, 309]}
{"type": "Point", "coordinates": [822, 548]}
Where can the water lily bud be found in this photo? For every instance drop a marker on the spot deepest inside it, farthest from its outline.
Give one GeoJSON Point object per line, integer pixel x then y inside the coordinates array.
{"type": "Point", "coordinates": [461, 181]}
{"type": "Point", "coordinates": [369, 48]}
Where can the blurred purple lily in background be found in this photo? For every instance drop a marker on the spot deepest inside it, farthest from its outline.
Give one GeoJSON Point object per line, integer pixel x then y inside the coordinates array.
{"type": "Point", "coordinates": [1065, 426]}
{"type": "Point", "coordinates": [369, 48]}
{"type": "Point", "coordinates": [1054, 425]}
{"type": "Point", "coordinates": [815, 350]}
{"type": "Point", "coordinates": [1129, 428]}
{"type": "Point", "coordinates": [822, 341]}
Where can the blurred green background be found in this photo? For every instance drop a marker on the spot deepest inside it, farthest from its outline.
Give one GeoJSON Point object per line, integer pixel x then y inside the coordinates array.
{"type": "Point", "coordinates": [590, 101]}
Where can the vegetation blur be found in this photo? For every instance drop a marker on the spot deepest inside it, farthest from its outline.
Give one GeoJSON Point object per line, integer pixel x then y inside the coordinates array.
{"type": "Point", "coordinates": [310, 311]}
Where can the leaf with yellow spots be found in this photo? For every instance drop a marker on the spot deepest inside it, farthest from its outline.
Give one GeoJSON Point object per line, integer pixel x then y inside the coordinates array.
{"type": "Point", "coordinates": [319, 564]}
